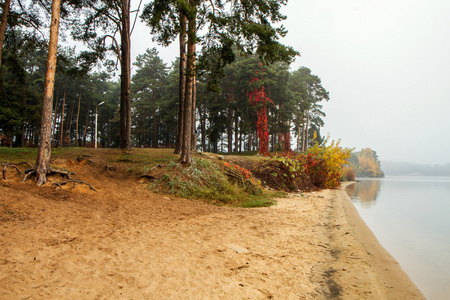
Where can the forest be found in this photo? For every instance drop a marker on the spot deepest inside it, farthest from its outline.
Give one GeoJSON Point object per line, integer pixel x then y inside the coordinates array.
{"type": "Point", "coordinates": [365, 163]}
{"type": "Point", "coordinates": [231, 90]}
{"type": "Point", "coordinates": [225, 119]}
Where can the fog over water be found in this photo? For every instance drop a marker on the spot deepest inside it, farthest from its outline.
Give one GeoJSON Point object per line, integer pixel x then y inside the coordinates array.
{"type": "Point", "coordinates": [409, 217]}
{"type": "Point", "coordinates": [385, 64]}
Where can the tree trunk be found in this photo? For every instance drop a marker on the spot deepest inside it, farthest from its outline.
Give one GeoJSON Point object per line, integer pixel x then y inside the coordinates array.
{"type": "Point", "coordinates": [69, 122]}
{"type": "Point", "coordinates": [155, 129]}
{"type": "Point", "coordinates": [55, 117]}
{"type": "Point", "coordinates": [236, 132]}
{"type": "Point", "coordinates": [61, 127]}
{"type": "Point", "coordinates": [240, 141]}
{"type": "Point", "coordinates": [194, 103]}
{"type": "Point", "coordinates": [78, 118]}
{"type": "Point", "coordinates": [125, 78]}
{"type": "Point", "coordinates": [202, 127]}
{"type": "Point", "coordinates": [85, 127]}
{"type": "Point", "coordinates": [42, 165]}
{"type": "Point", "coordinates": [230, 100]}
{"type": "Point", "coordinates": [307, 133]}
{"type": "Point", "coordinates": [3, 22]}
{"type": "Point", "coordinates": [190, 76]}
{"type": "Point", "coordinates": [182, 83]}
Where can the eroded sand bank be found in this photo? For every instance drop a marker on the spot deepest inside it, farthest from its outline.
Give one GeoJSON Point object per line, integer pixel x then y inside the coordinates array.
{"type": "Point", "coordinates": [124, 242]}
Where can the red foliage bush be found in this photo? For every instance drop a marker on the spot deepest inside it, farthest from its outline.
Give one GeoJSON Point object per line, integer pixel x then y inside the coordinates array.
{"type": "Point", "coordinates": [293, 172]}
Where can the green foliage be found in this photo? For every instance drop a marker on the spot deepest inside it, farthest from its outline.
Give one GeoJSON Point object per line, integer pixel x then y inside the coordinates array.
{"type": "Point", "coordinates": [320, 168]}
{"type": "Point", "coordinates": [206, 180]}
{"type": "Point", "coordinates": [153, 113]}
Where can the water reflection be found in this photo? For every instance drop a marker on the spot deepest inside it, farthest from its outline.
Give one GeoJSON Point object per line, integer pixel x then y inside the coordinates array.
{"type": "Point", "coordinates": [411, 220]}
{"type": "Point", "coordinates": [365, 192]}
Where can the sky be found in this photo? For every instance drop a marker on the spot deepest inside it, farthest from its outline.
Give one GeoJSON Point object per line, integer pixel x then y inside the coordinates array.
{"type": "Point", "coordinates": [385, 64]}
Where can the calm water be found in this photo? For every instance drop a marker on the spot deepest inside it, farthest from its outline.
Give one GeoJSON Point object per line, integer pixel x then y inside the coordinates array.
{"type": "Point", "coordinates": [410, 216]}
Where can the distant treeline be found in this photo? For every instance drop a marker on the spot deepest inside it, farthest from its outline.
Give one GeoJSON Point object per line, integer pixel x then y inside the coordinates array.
{"type": "Point", "coordinates": [402, 168]}
{"type": "Point", "coordinates": [365, 163]}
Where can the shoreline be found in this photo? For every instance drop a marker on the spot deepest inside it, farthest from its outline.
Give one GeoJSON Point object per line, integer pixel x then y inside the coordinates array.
{"type": "Point", "coordinates": [392, 278]}
{"type": "Point", "coordinates": [123, 242]}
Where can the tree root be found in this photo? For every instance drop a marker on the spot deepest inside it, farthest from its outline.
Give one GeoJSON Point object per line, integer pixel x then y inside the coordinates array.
{"type": "Point", "coordinates": [5, 166]}
{"type": "Point", "coordinates": [60, 183]}
{"type": "Point", "coordinates": [148, 176]}
{"type": "Point", "coordinates": [31, 171]}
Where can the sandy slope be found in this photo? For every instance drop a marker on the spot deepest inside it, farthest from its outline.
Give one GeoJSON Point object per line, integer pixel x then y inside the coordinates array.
{"type": "Point", "coordinates": [124, 242]}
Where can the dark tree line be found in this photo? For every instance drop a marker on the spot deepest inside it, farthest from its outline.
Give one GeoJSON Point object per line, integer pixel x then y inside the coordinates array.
{"type": "Point", "coordinates": [76, 96]}
{"type": "Point", "coordinates": [200, 102]}
{"type": "Point", "coordinates": [225, 121]}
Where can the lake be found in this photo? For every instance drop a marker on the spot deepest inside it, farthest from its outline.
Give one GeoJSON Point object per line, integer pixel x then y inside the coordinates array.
{"type": "Point", "coordinates": [410, 216]}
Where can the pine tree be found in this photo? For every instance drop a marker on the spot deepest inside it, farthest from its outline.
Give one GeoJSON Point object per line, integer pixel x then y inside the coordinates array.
{"type": "Point", "coordinates": [233, 22]}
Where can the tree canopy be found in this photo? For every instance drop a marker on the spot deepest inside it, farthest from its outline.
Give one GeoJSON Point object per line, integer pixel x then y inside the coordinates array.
{"type": "Point", "coordinates": [237, 42]}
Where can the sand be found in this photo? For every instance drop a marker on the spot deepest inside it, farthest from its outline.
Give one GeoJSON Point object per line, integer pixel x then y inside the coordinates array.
{"type": "Point", "coordinates": [125, 242]}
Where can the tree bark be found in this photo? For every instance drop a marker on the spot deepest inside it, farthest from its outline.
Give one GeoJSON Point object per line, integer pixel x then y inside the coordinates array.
{"type": "Point", "coordinates": [78, 118]}
{"type": "Point", "coordinates": [182, 83]}
{"type": "Point", "coordinates": [69, 123]}
{"type": "Point", "coordinates": [42, 165]}
{"type": "Point", "coordinates": [125, 78]}
{"type": "Point", "coordinates": [202, 127]}
{"type": "Point", "coordinates": [194, 103]}
{"type": "Point", "coordinates": [186, 157]}
{"type": "Point", "coordinates": [55, 118]}
{"type": "Point", "coordinates": [230, 100]}
{"type": "Point", "coordinates": [85, 127]}
{"type": "Point", "coordinates": [3, 22]}
{"type": "Point", "coordinates": [61, 127]}
{"type": "Point", "coordinates": [305, 133]}
{"type": "Point", "coordinates": [236, 132]}
{"type": "Point", "coordinates": [155, 124]}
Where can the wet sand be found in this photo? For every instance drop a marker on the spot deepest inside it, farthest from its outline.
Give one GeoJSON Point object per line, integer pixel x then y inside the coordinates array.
{"type": "Point", "coordinates": [124, 242]}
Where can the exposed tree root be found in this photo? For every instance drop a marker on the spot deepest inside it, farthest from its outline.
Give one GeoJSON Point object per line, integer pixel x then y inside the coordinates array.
{"type": "Point", "coordinates": [60, 183]}
{"type": "Point", "coordinates": [66, 177]}
{"type": "Point", "coordinates": [5, 166]}
{"type": "Point", "coordinates": [149, 177]}
{"type": "Point", "coordinates": [32, 171]}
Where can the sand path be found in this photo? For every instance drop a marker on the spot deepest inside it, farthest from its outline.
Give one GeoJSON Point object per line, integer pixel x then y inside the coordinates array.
{"type": "Point", "coordinates": [124, 242]}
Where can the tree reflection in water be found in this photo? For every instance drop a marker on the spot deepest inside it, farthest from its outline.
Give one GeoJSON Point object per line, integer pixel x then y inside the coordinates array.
{"type": "Point", "coordinates": [365, 192]}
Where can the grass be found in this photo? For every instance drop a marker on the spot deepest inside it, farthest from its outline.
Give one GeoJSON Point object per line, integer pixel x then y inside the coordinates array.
{"type": "Point", "coordinates": [17, 155]}
{"type": "Point", "coordinates": [204, 179]}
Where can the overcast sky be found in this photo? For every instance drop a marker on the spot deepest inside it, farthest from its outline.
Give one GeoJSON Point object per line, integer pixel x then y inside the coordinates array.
{"type": "Point", "coordinates": [386, 64]}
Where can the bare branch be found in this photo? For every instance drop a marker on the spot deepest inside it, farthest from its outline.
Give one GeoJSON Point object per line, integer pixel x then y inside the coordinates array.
{"type": "Point", "coordinates": [135, 18]}
{"type": "Point", "coordinates": [60, 183]}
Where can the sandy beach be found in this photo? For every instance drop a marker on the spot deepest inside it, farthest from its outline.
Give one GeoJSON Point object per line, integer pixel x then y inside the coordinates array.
{"type": "Point", "coordinates": [125, 242]}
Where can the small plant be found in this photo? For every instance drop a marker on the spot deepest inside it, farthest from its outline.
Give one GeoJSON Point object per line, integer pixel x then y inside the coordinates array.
{"type": "Point", "coordinates": [206, 180]}
{"type": "Point", "coordinates": [320, 167]}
